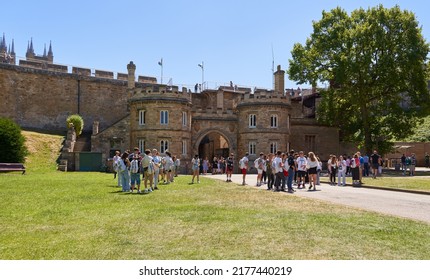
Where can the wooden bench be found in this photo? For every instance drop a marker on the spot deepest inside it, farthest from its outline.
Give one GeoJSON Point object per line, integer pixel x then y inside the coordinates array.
{"type": "Point", "coordinates": [9, 167]}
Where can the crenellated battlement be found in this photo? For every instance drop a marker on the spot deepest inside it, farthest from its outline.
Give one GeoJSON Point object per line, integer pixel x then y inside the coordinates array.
{"type": "Point", "coordinates": [264, 96]}
{"type": "Point", "coordinates": [159, 92]}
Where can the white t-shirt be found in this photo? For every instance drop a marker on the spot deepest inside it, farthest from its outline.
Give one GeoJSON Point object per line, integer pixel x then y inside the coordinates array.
{"type": "Point", "coordinates": [277, 164]}
{"type": "Point", "coordinates": [312, 164]}
{"type": "Point", "coordinates": [244, 162]}
{"type": "Point", "coordinates": [301, 163]}
{"type": "Point", "coordinates": [146, 161]}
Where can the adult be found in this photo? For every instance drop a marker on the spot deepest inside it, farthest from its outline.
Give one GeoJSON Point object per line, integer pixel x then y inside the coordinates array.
{"type": "Point", "coordinates": [278, 165]}
{"type": "Point", "coordinates": [205, 164]}
{"type": "Point", "coordinates": [148, 170]}
{"type": "Point", "coordinates": [375, 160]}
{"type": "Point", "coordinates": [413, 164]}
{"type": "Point", "coordinates": [259, 163]}
{"type": "Point", "coordinates": [195, 163]}
{"type": "Point", "coordinates": [355, 162]}
{"type": "Point", "coordinates": [270, 172]}
{"type": "Point", "coordinates": [366, 166]}
{"type": "Point", "coordinates": [243, 165]}
{"type": "Point", "coordinates": [229, 167]}
{"type": "Point", "coordinates": [135, 173]}
{"type": "Point", "coordinates": [301, 170]}
{"type": "Point", "coordinates": [168, 167]}
{"type": "Point", "coordinates": [341, 171]}
{"type": "Point", "coordinates": [156, 159]}
{"type": "Point", "coordinates": [291, 171]}
{"type": "Point", "coordinates": [403, 163]}
{"type": "Point", "coordinates": [312, 166]}
{"type": "Point", "coordinates": [115, 165]}
{"type": "Point", "coordinates": [123, 172]}
{"type": "Point", "coordinates": [177, 166]}
{"type": "Point", "coordinates": [332, 168]}
{"type": "Point", "coordinates": [427, 160]}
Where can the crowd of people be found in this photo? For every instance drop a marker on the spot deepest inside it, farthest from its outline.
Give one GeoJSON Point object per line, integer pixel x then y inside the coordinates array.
{"type": "Point", "coordinates": [154, 169]}
{"type": "Point", "coordinates": [282, 171]}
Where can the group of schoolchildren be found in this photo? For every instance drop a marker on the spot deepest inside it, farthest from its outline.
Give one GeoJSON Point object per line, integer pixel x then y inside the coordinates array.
{"type": "Point", "coordinates": [283, 170]}
{"type": "Point", "coordinates": [129, 167]}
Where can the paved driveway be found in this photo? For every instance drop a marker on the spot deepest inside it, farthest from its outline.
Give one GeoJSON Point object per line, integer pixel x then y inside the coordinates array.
{"type": "Point", "coordinates": [407, 205]}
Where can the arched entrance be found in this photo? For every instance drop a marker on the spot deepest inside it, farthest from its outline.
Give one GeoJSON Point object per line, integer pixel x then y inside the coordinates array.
{"type": "Point", "coordinates": [213, 145]}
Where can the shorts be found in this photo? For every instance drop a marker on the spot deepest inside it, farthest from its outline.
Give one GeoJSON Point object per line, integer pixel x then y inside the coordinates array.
{"type": "Point", "coordinates": [301, 173]}
{"type": "Point", "coordinates": [312, 170]}
{"type": "Point", "coordinates": [135, 178]}
{"type": "Point", "coordinates": [243, 170]}
{"type": "Point", "coordinates": [259, 171]}
{"type": "Point", "coordinates": [375, 165]}
{"type": "Point", "coordinates": [229, 169]}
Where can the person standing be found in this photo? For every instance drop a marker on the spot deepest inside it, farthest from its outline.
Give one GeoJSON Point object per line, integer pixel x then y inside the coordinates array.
{"type": "Point", "coordinates": [168, 166]}
{"type": "Point", "coordinates": [229, 167]}
{"type": "Point", "coordinates": [205, 164]}
{"type": "Point", "coordinates": [291, 171]}
{"type": "Point", "coordinates": [278, 165]}
{"type": "Point", "coordinates": [312, 166]}
{"type": "Point", "coordinates": [270, 172]}
{"type": "Point", "coordinates": [332, 168]}
{"type": "Point", "coordinates": [341, 173]}
{"type": "Point", "coordinates": [403, 163]}
{"type": "Point", "coordinates": [355, 162]}
{"type": "Point", "coordinates": [195, 163]}
{"type": "Point", "coordinates": [375, 159]}
{"type": "Point", "coordinates": [148, 170]}
{"type": "Point", "coordinates": [413, 164]}
{"type": "Point", "coordinates": [301, 170]}
{"type": "Point", "coordinates": [115, 165]}
{"type": "Point", "coordinates": [427, 160]}
{"type": "Point", "coordinates": [259, 163]}
{"type": "Point", "coordinates": [243, 165]}
{"type": "Point", "coordinates": [124, 165]}
{"type": "Point", "coordinates": [156, 159]}
{"type": "Point", "coordinates": [366, 165]}
{"type": "Point", "coordinates": [135, 172]}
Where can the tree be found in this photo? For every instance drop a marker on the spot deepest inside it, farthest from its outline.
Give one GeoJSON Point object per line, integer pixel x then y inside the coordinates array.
{"type": "Point", "coordinates": [12, 142]}
{"type": "Point", "coordinates": [375, 62]}
{"type": "Point", "coordinates": [78, 123]}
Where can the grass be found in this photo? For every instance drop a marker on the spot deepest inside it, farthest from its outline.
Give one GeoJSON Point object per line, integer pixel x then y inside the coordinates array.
{"type": "Point", "coordinates": [395, 180]}
{"type": "Point", "coordinates": [76, 215]}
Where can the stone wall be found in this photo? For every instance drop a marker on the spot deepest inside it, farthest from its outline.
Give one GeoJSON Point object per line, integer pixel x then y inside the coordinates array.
{"type": "Point", "coordinates": [43, 99]}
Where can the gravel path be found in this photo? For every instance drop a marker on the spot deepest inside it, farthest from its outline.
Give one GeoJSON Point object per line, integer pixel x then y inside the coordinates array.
{"type": "Point", "coordinates": [407, 205]}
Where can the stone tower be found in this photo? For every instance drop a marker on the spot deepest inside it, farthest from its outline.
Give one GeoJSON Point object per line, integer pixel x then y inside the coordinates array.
{"type": "Point", "coordinates": [160, 117]}
{"type": "Point", "coordinates": [265, 120]}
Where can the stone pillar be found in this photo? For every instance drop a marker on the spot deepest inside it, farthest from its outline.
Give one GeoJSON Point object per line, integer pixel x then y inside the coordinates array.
{"type": "Point", "coordinates": [279, 80]}
{"type": "Point", "coordinates": [131, 67]}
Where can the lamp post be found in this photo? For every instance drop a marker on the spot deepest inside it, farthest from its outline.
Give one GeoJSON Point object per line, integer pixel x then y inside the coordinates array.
{"type": "Point", "coordinates": [203, 73]}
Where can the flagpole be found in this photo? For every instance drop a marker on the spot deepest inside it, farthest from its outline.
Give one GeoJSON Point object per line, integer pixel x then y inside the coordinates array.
{"type": "Point", "coordinates": [161, 64]}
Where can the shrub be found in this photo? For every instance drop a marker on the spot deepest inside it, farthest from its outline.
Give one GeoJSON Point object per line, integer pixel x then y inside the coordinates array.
{"type": "Point", "coordinates": [12, 142]}
{"type": "Point", "coordinates": [78, 123]}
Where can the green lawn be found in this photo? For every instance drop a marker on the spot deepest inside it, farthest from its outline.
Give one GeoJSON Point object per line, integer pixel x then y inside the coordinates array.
{"type": "Point", "coordinates": [54, 215]}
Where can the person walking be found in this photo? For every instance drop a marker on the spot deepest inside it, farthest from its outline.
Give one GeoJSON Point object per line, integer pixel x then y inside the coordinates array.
{"type": "Point", "coordinates": [375, 160]}
{"type": "Point", "coordinates": [312, 166]}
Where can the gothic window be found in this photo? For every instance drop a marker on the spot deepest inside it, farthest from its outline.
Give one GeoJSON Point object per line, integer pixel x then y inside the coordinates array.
{"type": "Point", "coordinates": [164, 146]}
{"type": "Point", "coordinates": [164, 117]}
{"type": "Point", "coordinates": [274, 121]}
{"type": "Point", "coordinates": [252, 147]}
{"type": "Point", "coordinates": [142, 115]}
{"type": "Point", "coordinates": [252, 120]}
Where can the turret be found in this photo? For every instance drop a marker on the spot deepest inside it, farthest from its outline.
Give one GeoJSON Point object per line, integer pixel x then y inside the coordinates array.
{"type": "Point", "coordinates": [50, 53]}
{"type": "Point", "coordinates": [279, 80]}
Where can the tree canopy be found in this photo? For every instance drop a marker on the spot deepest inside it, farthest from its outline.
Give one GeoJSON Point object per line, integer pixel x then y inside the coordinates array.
{"type": "Point", "coordinates": [375, 62]}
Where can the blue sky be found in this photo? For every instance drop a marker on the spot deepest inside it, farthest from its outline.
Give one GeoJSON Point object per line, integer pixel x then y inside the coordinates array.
{"type": "Point", "coordinates": [234, 39]}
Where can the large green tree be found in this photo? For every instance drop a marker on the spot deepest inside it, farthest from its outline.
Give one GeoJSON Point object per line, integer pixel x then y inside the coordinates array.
{"type": "Point", "coordinates": [375, 62]}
